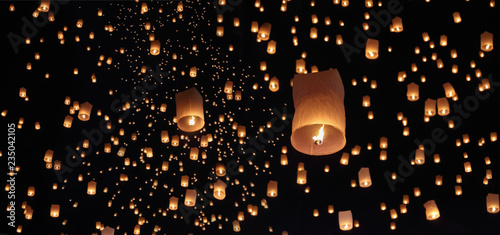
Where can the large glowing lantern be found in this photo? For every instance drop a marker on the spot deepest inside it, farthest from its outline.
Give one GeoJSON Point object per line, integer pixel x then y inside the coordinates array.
{"type": "Point", "coordinates": [219, 190]}
{"type": "Point", "coordinates": [345, 220]}
{"type": "Point", "coordinates": [365, 180]}
{"type": "Point", "coordinates": [318, 127]}
{"type": "Point", "coordinates": [189, 105]}
{"type": "Point", "coordinates": [431, 210]}
{"type": "Point", "coordinates": [371, 50]}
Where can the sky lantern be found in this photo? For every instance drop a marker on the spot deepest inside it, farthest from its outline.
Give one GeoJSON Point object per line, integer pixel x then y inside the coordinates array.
{"type": "Point", "coordinates": [91, 188]}
{"type": "Point", "coordinates": [271, 47]}
{"type": "Point", "coordinates": [412, 92]}
{"type": "Point", "coordinates": [397, 24]}
{"type": "Point", "coordinates": [431, 210]}
{"type": "Point", "coordinates": [264, 32]}
{"type": "Point", "coordinates": [54, 210]}
{"type": "Point", "coordinates": [219, 190]}
{"type": "Point", "coordinates": [318, 126]}
{"type": "Point", "coordinates": [155, 47]}
{"type": "Point", "coordinates": [492, 203]}
{"type": "Point", "coordinates": [371, 49]}
{"type": "Point", "coordinates": [190, 197]}
{"type": "Point", "coordinates": [274, 84]}
{"type": "Point", "coordinates": [300, 66]}
{"type": "Point", "coordinates": [365, 180]}
{"type": "Point", "coordinates": [173, 203]}
{"type": "Point", "coordinates": [189, 106]}
{"type": "Point", "coordinates": [84, 112]}
{"type": "Point", "coordinates": [430, 107]}
{"type": "Point", "coordinates": [345, 220]}
{"type": "Point", "coordinates": [486, 41]}
{"type": "Point", "coordinates": [272, 188]}
{"type": "Point", "coordinates": [443, 106]}
{"type": "Point", "coordinates": [456, 17]}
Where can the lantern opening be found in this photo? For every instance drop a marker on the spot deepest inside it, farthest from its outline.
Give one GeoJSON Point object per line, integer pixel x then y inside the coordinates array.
{"type": "Point", "coordinates": [318, 140]}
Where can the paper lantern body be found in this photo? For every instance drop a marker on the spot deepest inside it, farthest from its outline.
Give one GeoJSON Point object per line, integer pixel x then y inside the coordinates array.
{"type": "Point", "coordinates": [492, 203]}
{"type": "Point", "coordinates": [486, 41]}
{"type": "Point", "coordinates": [345, 220]}
{"type": "Point", "coordinates": [431, 210]}
{"type": "Point", "coordinates": [84, 112]}
{"type": "Point", "coordinates": [319, 102]}
{"type": "Point", "coordinates": [365, 180]}
{"type": "Point", "coordinates": [189, 106]}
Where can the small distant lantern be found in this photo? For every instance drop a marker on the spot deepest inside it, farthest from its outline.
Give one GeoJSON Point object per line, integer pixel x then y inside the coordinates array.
{"type": "Point", "coordinates": [486, 41]}
{"type": "Point", "coordinates": [91, 188]}
{"type": "Point", "coordinates": [371, 49]}
{"type": "Point", "coordinates": [272, 188]}
{"type": "Point", "coordinates": [220, 169]}
{"type": "Point", "coordinates": [456, 17]}
{"type": "Point", "coordinates": [54, 210]}
{"type": "Point", "coordinates": [193, 71]}
{"type": "Point", "coordinates": [397, 24]}
{"type": "Point", "coordinates": [365, 180]}
{"type": "Point", "coordinates": [274, 84]}
{"type": "Point", "coordinates": [220, 31]}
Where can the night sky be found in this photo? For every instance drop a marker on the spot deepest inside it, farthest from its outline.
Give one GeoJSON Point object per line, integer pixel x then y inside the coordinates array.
{"type": "Point", "coordinates": [48, 61]}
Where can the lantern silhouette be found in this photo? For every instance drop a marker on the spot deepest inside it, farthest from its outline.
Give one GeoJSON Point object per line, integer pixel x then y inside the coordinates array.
{"type": "Point", "coordinates": [345, 220]}
{"type": "Point", "coordinates": [155, 47]}
{"type": "Point", "coordinates": [219, 190]}
{"type": "Point", "coordinates": [492, 203]}
{"type": "Point", "coordinates": [84, 112]}
{"type": "Point", "coordinates": [443, 106]}
{"type": "Point", "coordinates": [318, 127]}
{"type": "Point", "coordinates": [431, 210]}
{"type": "Point", "coordinates": [365, 180]}
{"type": "Point", "coordinates": [371, 49]}
{"type": "Point", "coordinates": [190, 197]}
{"type": "Point", "coordinates": [412, 92]}
{"type": "Point", "coordinates": [486, 41]}
{"type": "Point", "coordinates": [264, 32]}
{"type": "Point", "coordinates": [272, 188]}
{"type": "Point", "coordinates": [189, 106]}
